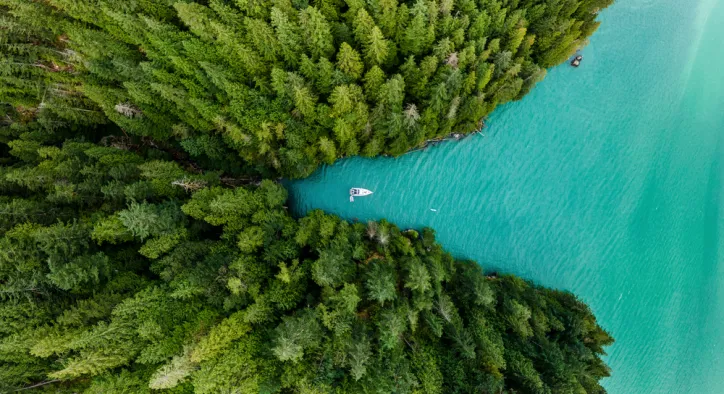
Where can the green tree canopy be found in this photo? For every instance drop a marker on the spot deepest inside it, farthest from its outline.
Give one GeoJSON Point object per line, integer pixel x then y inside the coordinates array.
{"type": "Point", "coordinates": [124, 272]}
{"type": "Point", "coordinates": [259, 78]}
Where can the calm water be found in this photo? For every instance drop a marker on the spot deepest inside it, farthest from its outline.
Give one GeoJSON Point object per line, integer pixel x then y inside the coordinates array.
{"type": "Point", "coordinates": [606, 180]}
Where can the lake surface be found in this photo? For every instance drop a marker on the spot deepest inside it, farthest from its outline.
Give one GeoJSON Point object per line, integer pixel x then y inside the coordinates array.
{"type": "Point", "coordinates": [606, 180]}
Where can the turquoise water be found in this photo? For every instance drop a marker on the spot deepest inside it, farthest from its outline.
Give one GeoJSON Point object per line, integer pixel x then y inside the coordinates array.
{"type": "Point", "coordinates": [606, 181]}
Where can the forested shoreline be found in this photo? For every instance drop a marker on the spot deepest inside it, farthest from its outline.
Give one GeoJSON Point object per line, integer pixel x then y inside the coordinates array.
{"type": "Point", "coordinates": [145, 247]}
{"type": "Point", "coordinates": [282, 85]}
{"type": "Point", "coordinates": [164, 279]}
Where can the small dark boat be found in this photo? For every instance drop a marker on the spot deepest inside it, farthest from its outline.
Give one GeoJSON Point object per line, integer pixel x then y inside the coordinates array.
{"type": "Point", "coordinates": [577, 61]}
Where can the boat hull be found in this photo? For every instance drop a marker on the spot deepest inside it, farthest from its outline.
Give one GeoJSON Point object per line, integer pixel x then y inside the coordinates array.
{"type": "Point", "coordinates": [358, 192]}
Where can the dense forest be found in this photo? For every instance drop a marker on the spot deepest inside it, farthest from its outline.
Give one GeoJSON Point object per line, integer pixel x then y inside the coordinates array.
{"type": "Point", "coordinates": [146, 246]}
{"type": "Point", "coordinates": [122, 273]}
{"type": "Point", "coordinates": [286, 85]}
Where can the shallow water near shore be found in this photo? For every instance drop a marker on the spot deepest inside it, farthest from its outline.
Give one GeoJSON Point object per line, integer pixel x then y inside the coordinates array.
{"type": "Point", "coordinates": [606, 180]}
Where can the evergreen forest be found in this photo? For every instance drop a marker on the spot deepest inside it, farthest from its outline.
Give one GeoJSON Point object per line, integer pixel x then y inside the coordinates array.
{"type": "Point", "coordinates": [146, 244]}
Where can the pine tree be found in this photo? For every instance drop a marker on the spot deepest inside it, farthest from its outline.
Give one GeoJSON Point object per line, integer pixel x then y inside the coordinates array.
{"type": "Point", "coordinates": [349, 61]}
{"type": "Point", "coordinates": [377, 47]}
{"type": "Point", "coordinates": [314, 26]}
{"type": "Point", "coordinates": [288, 35]}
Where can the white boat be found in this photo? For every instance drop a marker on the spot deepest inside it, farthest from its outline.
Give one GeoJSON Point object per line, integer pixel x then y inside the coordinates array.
{"type": "Point", "coordinates": [358, 192]}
